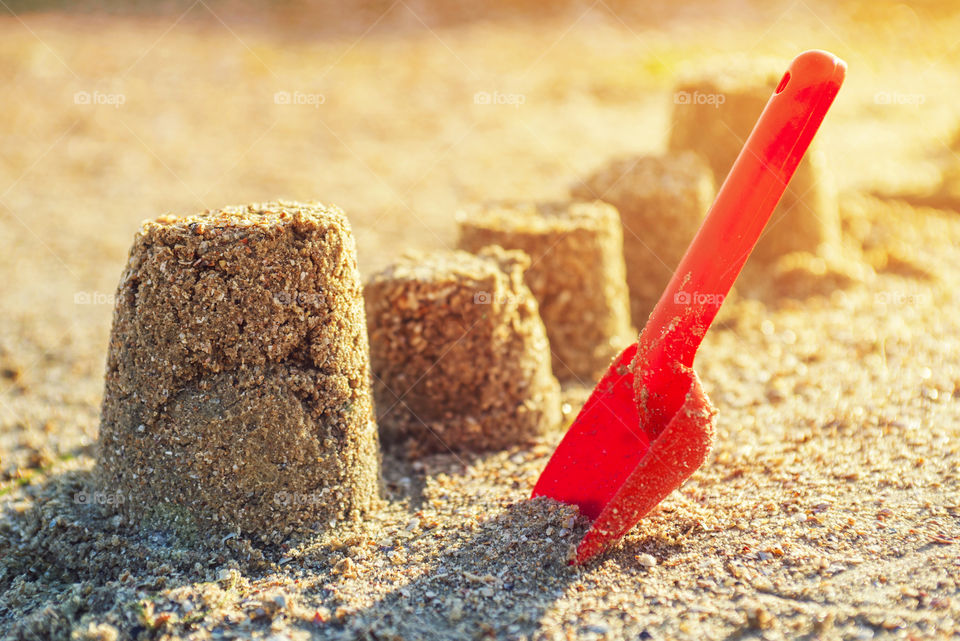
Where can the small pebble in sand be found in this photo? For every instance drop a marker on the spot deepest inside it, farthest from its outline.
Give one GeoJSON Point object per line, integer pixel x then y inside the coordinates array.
{"type": "Point", "coordinates": [459, 352]}
{"type": "Point", "coordinates": [662, 200]}
{"type": "Point", "coordinates": [345, 568]}
{"type": "Point", "coordinates": [577, 275]}
{"type": "Point", "coordinates": [237, 384]}
{"type": "Point", "coordinates": [646, 560]}
{"type": "Point", "coordinates": [758, 617]}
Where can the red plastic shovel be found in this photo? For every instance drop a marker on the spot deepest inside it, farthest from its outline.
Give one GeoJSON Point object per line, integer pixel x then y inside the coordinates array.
{"type": "Point", "coordinates": [648, 424]}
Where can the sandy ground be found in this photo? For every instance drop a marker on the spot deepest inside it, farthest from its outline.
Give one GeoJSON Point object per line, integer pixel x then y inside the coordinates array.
{"type": "Point", "coordinates": [830, 505]}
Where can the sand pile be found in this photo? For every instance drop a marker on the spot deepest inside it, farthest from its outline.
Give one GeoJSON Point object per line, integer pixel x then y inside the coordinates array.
{"type": "Point", "coordinates": [880, 238]}
{"type": "Point", "coordinates": [237, 384]}
{"type": "Point", "coordinates": [715, 109]}
{"type": "Point", "coordinates": [577, 275]}
{"type": "Point", "coordinates": [661, 200]}
{"type": "Point", "coordinates": [459, 353]}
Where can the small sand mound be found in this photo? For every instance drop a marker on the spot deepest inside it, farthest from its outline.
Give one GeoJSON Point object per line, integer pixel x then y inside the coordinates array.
{"type": "Point", "coordinates": [715, 108]}
{"type": "Point", "coordinates": [459, 352]}
{"type": "Point", "coordinates": [662, 200]}
{"type": "Point", "coordinates": [237, 384]}
{"type": "Point", "coordinates": [802, 275]}
{"type": "Point", "coordinates": [897, 238]}
{"type": "Point", "coordinates": [577, 274]}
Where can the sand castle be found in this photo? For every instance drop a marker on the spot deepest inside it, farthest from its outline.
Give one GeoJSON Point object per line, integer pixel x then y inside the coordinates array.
{"type": "Point", "coordinates": [237, 384]}
{"type": "Point", "coordinates": [459, 353]}
{"type": "Point", "coordinates": [714, 112]}
{"type": "Point", "coordinates": [661, 200]}
{"type": "Point", "coordinates": [577, 275]}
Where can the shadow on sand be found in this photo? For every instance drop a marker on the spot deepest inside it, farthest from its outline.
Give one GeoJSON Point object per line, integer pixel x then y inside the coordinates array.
{"type": "Point", "coordinates": [498, 584]}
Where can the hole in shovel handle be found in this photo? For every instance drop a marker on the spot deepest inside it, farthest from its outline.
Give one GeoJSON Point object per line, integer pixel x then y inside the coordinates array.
{"type": "Point", "coordinates": [783, 82]}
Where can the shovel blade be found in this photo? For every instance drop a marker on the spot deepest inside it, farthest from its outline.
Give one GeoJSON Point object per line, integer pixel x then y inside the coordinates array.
{"type": "Point", "coordinates": [608, 466]}
{"type": "Point", "coordinates": [673, 456]}
{"type": "Point", "coordinates": [603, 445]}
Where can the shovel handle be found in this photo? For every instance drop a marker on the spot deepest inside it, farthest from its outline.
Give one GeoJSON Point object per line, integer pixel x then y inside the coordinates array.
{"type": "Point", "coordinates": [732, 227]}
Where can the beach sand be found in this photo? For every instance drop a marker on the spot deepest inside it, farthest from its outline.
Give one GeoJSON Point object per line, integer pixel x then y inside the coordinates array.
{"type": "Point", "coordinates": [830, 507]}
